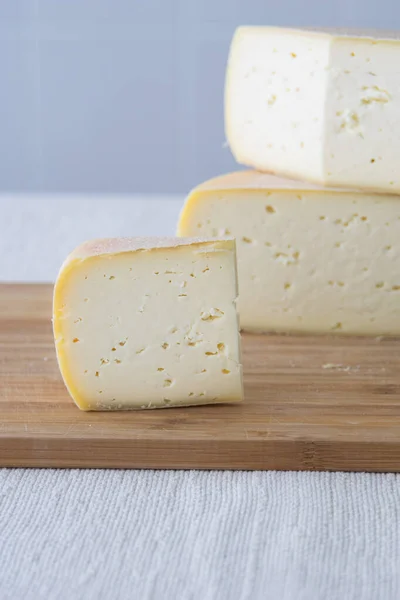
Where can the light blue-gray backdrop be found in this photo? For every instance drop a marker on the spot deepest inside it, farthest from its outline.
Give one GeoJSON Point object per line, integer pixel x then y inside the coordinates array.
{"type": "Point", "coordinates": [126, 95]}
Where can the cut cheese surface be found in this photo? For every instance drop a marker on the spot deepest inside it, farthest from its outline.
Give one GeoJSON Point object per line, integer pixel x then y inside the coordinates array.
{"type": "Point", "coordinates": [324, 107]}
{"type": "Point", "coordinates": [148, 323]}
{"type": "Point", "coordinates": [309, 259]}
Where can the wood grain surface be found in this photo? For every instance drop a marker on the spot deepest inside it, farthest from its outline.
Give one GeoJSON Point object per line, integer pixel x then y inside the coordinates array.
{"type": "Point", "coordinates": [315, 403]}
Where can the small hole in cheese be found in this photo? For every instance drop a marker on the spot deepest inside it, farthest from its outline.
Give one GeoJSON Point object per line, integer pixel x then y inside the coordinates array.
{"type": "Point", "coordinates": [214, 313]}
{"type": "Point", "coordinates": [194, 343]}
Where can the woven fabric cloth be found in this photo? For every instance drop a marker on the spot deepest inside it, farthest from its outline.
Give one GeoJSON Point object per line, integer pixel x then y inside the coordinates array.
{"type": "Point", "coordinates": [198, 535]}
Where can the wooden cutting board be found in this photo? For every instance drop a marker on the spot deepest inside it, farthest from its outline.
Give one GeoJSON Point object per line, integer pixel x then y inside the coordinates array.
{"type": "Point", "coordinates": [316, 403]}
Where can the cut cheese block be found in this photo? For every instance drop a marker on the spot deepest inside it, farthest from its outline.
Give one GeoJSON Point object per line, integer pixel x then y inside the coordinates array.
{"type": "Point", "coordinates": [310, 259]}
{"type": "Point", "coordinates": [317, 106]}
{"type": "Point", "coordinates": [148, 323]}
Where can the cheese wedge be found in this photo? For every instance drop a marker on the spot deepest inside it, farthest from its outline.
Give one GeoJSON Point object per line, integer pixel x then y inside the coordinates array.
{"type": "Point", "coordinates": [148, 323]}
{"type": "Point", "coordinates": [310, 259]}
{"type": "Point", "coordinates": [317, 106]}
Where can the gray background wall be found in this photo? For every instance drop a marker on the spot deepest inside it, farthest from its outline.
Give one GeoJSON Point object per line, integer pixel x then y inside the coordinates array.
{"type": "Point", "coordinates": [126, 95]}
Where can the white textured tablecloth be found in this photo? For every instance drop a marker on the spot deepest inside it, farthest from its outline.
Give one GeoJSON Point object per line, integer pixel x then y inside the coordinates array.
{"type": "Point", "coordinates": [178, 535]}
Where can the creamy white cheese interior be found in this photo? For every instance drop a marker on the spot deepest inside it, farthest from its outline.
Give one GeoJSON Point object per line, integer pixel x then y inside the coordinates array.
{"type": "Point", "coordinates": [315, 106]}
{"type": "Point", "coordinates": [309, 259]}
{"type": "Point", "coordinates": [147, 328]}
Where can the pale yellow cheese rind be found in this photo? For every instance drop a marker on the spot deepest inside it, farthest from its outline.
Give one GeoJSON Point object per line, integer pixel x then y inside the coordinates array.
{"type": "Point", "coordinates": [349, 33]}
{"type": "Point", "coordinates": [258, 180]}
{"type": "Point", "coordinates": [148, 323]}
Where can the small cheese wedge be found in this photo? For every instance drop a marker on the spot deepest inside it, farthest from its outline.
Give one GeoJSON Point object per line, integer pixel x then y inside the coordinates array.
{"type": "Point", "coordinates": [148, 323]}
{"type": "Point", "coordinates": [324, 107]}
{"type": "Point", "coordinates": [310, 259]}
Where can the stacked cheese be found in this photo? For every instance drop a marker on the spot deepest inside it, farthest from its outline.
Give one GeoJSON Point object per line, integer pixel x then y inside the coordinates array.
{"type": "Point", "coordinates": [315, 106]}
{"type": "Point", "coordinates": [147, 323]}
{"type": "Point", "coordinates": [325, 109]}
